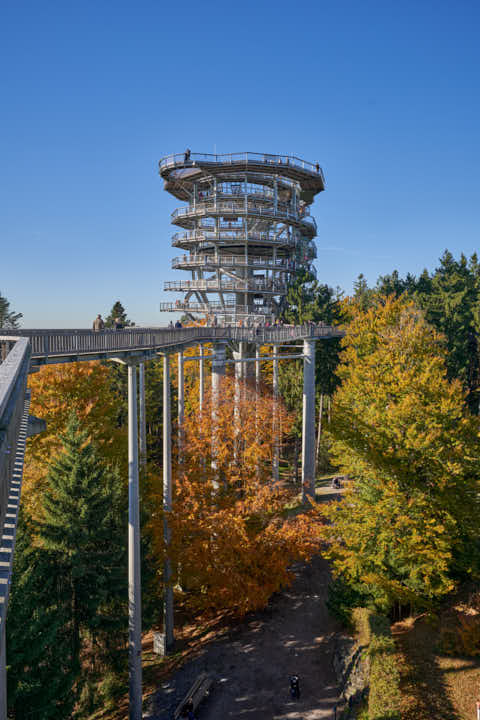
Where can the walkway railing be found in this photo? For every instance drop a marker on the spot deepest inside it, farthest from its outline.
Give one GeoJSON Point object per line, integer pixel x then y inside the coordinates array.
{"type": "Point", "coordinates": [233, 260]}
{"type": "Point", "coordinates": [227, 284]}
{"type": "Point", "coordinates": [209, 236]}
{"type": "Point", "coordinates": [13, 385]}
{"type": "Point", "coordinates": [62, 343]}
{"type": "Point", "coordinates": [238, 208]}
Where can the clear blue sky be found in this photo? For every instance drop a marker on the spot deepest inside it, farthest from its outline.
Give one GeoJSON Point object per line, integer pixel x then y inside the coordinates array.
{"type": "Point", "coordinates": [384, 94]}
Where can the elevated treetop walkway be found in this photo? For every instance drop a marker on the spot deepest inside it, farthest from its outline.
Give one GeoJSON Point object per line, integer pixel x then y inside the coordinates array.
{"type": "Point", "coordinates": [57, 346]}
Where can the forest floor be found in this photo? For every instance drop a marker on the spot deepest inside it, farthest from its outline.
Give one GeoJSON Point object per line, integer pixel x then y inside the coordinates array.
{"type": "Point", "coordinates": [251, 660]}
{"type": "Point", "coordinates": [434, 685]}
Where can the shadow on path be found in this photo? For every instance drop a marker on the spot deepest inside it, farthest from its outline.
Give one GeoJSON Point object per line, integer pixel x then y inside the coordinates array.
{"type": "Point", "coordinates": [252, 664]}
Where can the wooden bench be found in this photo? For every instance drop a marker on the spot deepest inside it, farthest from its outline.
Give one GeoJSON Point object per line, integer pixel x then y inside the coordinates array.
{"type": "Point", "coordinates": [198, 692]}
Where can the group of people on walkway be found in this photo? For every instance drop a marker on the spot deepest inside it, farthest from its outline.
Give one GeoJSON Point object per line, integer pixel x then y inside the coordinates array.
{"type": "Point", "coordinates": [99, 324]}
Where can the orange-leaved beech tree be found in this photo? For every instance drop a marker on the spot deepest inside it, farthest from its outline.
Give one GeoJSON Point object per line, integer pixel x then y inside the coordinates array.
{"type": "Point", "coordinates": [232, 542]}
{"type": "Point", "coordinates": [56, 390]}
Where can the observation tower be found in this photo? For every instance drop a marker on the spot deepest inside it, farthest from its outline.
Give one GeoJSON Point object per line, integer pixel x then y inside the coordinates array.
{"type": "Point", "coordinates": [245, 233]}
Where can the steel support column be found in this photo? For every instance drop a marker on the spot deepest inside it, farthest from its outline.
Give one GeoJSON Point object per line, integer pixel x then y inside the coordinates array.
{"type": "Point", "coordinates": [142, 418]}
{"type": "Point", "coordinates": [218, 372]}
{"type": "Point", "coordinates": [239, 392]}
{"type": "Point", "coordinates": [167, 505]}
{"type": "Point", "coordinates": [201, 378]}
{"type": "Point", "coordinates": [276, 429]}
{"type": "Point", "coordinates": [308, 420]}
{"type": "Point", "coordinates": [181, 404]}
{"type": "Point", "coordinates": [134, 588]}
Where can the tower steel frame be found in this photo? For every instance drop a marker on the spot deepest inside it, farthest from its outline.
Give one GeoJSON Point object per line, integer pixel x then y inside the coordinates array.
{"type": "Point", "coordinates": [247, 232]}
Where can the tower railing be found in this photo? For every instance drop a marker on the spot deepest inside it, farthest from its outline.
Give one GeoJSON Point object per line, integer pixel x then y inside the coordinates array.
{"type": "Point", "coordinates": [241, 158]}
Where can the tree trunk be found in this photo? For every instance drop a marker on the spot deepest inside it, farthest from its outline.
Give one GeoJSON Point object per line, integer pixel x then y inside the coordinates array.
{"type": "Point", "coordinates": [295, 459]}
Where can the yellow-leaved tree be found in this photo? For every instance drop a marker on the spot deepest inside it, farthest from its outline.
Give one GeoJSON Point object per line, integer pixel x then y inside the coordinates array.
{"type": "Point", "coordinates": [56, 390]}
{"type": "Point", "coordinates": [407, 525]}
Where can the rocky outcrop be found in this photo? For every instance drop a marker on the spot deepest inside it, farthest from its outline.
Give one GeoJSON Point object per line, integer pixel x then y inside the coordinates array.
{"type": "Point", "coordinates": [350, 662]}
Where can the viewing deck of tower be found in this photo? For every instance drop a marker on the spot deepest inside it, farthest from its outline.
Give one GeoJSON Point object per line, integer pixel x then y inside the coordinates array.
{"type": "Point", "coordinates": [246, 232]}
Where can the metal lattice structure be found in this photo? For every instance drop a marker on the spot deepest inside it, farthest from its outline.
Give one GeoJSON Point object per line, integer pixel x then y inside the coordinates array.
{"type": "Point", "coordinates": [245, 233]}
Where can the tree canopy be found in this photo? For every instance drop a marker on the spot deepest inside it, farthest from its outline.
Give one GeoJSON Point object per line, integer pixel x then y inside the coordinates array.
{"type": "Point", "coordinates": [400, 428]}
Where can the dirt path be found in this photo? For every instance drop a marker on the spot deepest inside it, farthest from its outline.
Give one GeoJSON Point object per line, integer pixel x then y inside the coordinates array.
{"type": "Point", "coordinates": [251, 667]}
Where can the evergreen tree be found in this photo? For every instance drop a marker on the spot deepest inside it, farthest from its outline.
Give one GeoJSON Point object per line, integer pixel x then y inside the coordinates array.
{"type": "Point", "coordinates": [42, 671]}
{"type": "Point", "coordinates": [69, 591]}
{"type": "Point", "coordinates": [451, 300]}
{"type": "Point", "coordinates": [362, 294]}
{"type": "Point", "coordinates": [117, 311]}
{"type": "Point", "coordinates": [395, 285]}
{"type": "Point", "coordinates": [8, 318]}
{"type": "Point", "coordinates": [83, 511]}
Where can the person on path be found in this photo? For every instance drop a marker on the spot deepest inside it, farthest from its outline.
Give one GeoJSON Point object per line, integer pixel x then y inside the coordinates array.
{"type": "Point", "coordinates": [170, 325]}
{"type": "Point", "coordinates": [295, 687]}
{"type": "Point", "coordinates": [98, 323]}
{"type": "Point", "coordinates": [187, 155]}
{"type": "Point", "coordinates": [178, 325]}
{"type": "Point", "coordinates": [117, 324]}
{"type": "Point", "coordinates": [188, 711]}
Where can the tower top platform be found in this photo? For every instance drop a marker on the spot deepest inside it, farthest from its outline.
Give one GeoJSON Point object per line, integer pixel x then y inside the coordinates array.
{"type": "Point", "coordinates": [181, 169]}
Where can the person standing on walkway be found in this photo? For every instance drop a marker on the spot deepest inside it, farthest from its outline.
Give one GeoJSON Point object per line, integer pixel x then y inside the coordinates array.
{"type": "Point", "coordinates": [98, 323]}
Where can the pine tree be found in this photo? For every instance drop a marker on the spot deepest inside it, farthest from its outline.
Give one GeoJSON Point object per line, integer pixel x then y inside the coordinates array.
{"type": "Point", "coordinates": [362, 294]}
{"type": "Point", "coordinates": [82, 530]}
{"type": "Point", "coordinates": [42, 671]}
{"type": "Point", "coordinates": [451, 304]}
{"type": "Point", "coordinates": [8, 318]}
{"type": "Point", "coordinates": [69, 590]}
{"type": "Point", "coordinates": [117, 311]}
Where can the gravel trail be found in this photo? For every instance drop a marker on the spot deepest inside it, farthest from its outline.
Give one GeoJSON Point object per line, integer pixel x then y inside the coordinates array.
{"type": "Point", "coordinates": [252, 665]}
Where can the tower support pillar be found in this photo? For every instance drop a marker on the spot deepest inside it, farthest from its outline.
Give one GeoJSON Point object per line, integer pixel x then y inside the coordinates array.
{"type": "Point", "coordinates": [308, 420]}
{"type": "Point", "coordinates": [134, 588]}
{"type": "Point", "coordinates": [167, 505]}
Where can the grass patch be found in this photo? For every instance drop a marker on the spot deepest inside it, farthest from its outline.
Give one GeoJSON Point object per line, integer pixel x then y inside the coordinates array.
{"type": "Point", "coordinates": [373, 632]}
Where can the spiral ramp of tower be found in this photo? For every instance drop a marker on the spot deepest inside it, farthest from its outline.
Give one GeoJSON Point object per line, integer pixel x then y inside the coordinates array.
{"type": "Point", "coordinates": [245, 232]}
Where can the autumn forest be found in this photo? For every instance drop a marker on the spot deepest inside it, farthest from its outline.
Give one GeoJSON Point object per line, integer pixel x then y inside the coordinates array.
{"type": "Point", "coordinates": [397, 417]}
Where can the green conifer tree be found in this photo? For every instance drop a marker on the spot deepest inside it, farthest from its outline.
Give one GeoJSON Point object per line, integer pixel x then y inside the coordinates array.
{"type": "Point", "coordinates": [69, 594]}
{"type": "Point", "coordinates": [117, 311]}
{"type": "Point", "coordinates": [8, 318]}
{"type": "Point", "coordinates": [42, 671]}
{"type": "Point", "coordinates": [82, 528]}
